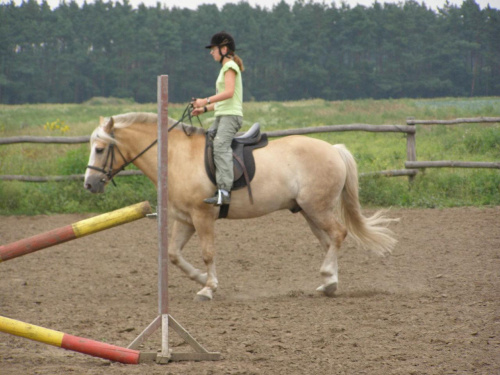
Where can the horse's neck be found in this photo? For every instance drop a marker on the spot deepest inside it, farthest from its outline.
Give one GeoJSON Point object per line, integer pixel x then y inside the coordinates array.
{"type": "Point", "coordinates": [135, 139]}
{"type": "Point", "coordinates": [184, 151]}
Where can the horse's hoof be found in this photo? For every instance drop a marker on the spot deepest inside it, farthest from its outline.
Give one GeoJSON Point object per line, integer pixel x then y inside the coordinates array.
{"type": "Point", "coordinates": [201, 298]}
{"type": "Point", "coordinates": [203, 295]}
{"type": "Point", "coordinates": [328, 290]}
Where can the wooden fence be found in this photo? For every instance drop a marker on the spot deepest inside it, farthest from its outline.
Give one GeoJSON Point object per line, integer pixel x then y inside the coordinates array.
{"type": "Point", "coordinates": [411, 148]}
{"type": "Point", "coordinates": [412, 166]}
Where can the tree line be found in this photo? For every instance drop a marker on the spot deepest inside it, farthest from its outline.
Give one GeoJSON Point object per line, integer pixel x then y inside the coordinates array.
{"type": "Point", "coordinates": [306, 50]}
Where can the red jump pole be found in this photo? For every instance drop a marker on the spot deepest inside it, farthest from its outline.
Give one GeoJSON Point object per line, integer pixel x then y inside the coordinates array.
{"type": "Point", "coordinates": [69, 342]}
{"type": "Point", "coordinates": [76, 230]}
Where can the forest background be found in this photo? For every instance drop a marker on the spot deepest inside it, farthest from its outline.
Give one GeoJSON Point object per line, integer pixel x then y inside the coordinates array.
{"type": "Point", "coordinates": [308, 50]}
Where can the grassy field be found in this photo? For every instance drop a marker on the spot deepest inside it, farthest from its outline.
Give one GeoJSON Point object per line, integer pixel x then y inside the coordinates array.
{"type": "Point", "coordinates": [373, 151]}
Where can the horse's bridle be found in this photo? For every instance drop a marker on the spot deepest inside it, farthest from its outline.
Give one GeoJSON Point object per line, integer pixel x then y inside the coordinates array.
{"type": "Point", "coordinates": [110, 174]}
{"type": "Point", "coordinates": [186, 113]}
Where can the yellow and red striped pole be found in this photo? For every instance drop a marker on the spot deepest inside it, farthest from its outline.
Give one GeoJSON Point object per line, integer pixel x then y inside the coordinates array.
{"type": "Point", "coordinates": [76, 230]}
{"type": "Point", "coordinates": [69, 342]}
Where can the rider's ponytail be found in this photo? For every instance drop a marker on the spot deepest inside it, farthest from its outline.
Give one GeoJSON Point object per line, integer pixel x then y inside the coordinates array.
{"type": "Point", "coordinates": [239, 62]}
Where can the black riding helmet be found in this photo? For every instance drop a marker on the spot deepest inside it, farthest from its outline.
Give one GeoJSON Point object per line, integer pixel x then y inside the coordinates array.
{"type": "Point", "coordinates": [222, 39]}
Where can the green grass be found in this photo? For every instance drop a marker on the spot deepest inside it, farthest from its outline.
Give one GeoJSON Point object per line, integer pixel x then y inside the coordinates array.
{"type": "Point", "coordinates": [373, 151]}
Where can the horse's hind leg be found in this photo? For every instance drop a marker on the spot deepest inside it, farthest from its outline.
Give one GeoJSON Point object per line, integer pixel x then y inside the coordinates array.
{"type": "Point", "coordinates": [330, 234]}
{"type": "Point", "coordinates": [181, 233]}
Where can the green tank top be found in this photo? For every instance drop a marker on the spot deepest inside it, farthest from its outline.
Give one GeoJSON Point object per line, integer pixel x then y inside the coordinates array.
{"type": "Point", "coordinates": [233, 106]}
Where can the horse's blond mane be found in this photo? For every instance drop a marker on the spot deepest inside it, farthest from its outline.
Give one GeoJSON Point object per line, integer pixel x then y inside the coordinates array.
{"type": "Point", "coordinates": [126, 119]}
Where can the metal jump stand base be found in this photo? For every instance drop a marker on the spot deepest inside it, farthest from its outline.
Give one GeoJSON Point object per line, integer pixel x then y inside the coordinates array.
{"type": "Point", "coordinates": [199, 354]}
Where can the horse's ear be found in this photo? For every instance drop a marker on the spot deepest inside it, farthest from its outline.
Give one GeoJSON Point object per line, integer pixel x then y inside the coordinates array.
{"type": "Point", "coordinates": [109, 126]}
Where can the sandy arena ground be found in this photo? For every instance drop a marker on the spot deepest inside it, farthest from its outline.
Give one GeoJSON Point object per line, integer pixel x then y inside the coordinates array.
{"type": "Point", "coordinates": [432, 307]}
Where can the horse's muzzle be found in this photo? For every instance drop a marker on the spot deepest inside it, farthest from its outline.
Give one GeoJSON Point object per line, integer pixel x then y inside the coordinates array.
{"type": "Point", "coordinates": [95, 184]}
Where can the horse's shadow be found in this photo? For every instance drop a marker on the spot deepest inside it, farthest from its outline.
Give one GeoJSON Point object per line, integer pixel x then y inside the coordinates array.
{"type": "Point", "coordinates": [303, 294]}
{"type": "Point", "coordinates": [364, 293]}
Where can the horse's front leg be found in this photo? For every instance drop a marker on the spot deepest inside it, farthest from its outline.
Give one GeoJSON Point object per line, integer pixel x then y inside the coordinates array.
{"type": "Point", "coordinates": [204, 224]}
{"type": "Point", "coordinates": [181, 233]}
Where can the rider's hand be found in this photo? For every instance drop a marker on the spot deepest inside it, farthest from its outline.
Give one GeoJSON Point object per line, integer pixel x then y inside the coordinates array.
{"type": "Point", "coordinates": [198, 111]}
{"type": "Point", "coordinates": [199, 103]}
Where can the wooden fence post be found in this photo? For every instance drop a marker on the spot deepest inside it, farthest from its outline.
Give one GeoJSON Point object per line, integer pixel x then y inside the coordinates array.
{"type": "Point", "coordinates": [411, 145]}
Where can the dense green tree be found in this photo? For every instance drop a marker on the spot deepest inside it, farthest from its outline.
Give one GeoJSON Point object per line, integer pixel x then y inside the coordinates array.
{"type": "Point", "coordinates": [491, 51]}
{"type": "Point", "coordinates": [305, 50]}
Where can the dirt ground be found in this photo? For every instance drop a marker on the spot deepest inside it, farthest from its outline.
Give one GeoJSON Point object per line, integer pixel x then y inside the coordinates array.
{"type": "Point", "coordinates": [432, 307]}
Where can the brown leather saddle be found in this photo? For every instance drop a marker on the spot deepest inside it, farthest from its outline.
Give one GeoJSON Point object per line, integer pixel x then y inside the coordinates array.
{"type": "Point", "coordinates": [243, 160]}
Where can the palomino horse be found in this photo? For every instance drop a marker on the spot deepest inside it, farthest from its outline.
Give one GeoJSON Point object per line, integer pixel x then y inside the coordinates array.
{"type": "Point", "coordinates": [294, 173]}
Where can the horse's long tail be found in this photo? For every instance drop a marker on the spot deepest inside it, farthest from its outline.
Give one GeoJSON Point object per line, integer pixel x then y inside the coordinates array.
{"type": "Point", "coordinates": [369, 232]}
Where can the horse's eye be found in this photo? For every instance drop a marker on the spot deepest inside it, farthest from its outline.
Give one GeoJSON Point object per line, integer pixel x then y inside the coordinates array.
{"type": "Point", "coordinates": [99, 150]}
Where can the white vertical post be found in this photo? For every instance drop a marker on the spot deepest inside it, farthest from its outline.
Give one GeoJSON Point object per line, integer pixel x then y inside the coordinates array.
{"type": "Point", "coordinates": [162, 191]}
